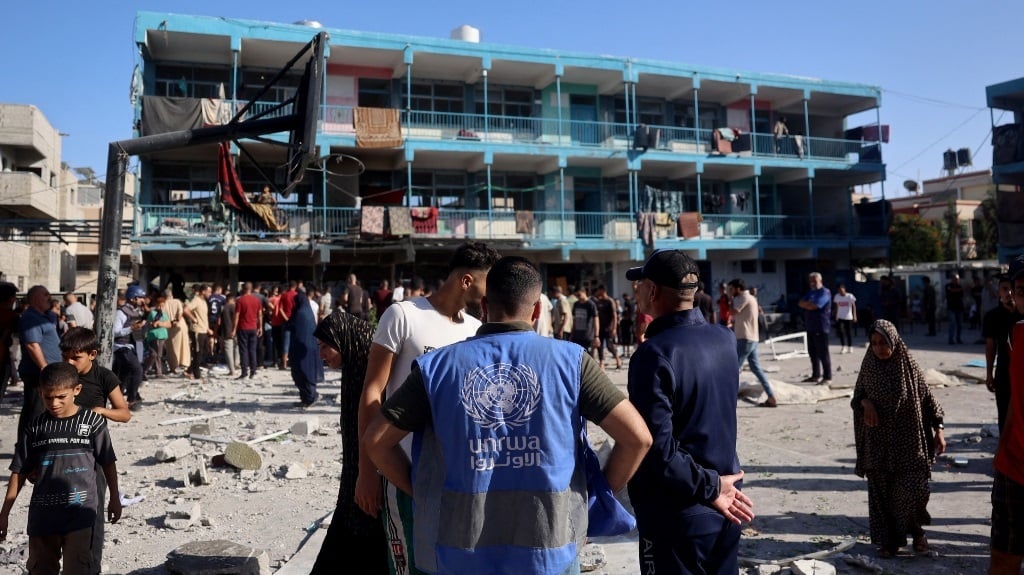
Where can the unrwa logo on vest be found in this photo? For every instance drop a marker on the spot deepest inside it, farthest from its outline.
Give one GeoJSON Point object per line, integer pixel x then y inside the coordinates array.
{"type": "Point", "coordinates": [501, 394]}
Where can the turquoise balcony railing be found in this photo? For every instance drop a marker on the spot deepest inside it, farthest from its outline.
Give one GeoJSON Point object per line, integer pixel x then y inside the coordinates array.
{"type": "Point", "coordinates": [426, 125]}
{"type": "Point", "coordinates": [171, 223]}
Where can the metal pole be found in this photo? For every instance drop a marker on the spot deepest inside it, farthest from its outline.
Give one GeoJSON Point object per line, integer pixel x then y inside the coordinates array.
{"type": "Point", "coordinates": [408, 183]}
{"type": "Point", "coordinates": [753, 128]}
{"type": "Point", "coordinates": [490, 205]}
{"type": "Point", "coordinates": [110, 251]}
{"type": "Point", "coordinates": [696, 119]}
{"type": "Point", "coordinates": [700, 196]}
{"type": "Point", "coordinates": [807, 129]}
{"type": "Point", "coordinates": [810, 201]}
{"type": "Point", "coordinates": [408, 87]}
{"type": "Point", "coordinates": [561, 202]}
{"type": "Point", "coordinates": [487, 124]}
{"type": "Point", "coordinates": [558, 94]}
{"type": "Point", "coordinates": [757, 202]}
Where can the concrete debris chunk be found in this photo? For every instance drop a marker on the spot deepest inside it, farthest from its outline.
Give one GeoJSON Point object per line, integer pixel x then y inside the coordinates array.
{"type": "Point", "coordinates": [177, 449]}
{"type": "Point", "coordinates": [241, 456]}
{"type": "Point", "coordinates": [296, 471]}
{"type": "Point", "coordinates": [197, 473]}
{"type": "Point", "coordinates": [306, 427]}
{"type": "Point", "coordinates": [199, 429]}
{"type": "Point", "coordinates": [182, 516]}
{"type": "Point", "coordinates": [218, 557]}
{"type": "Point", "coordinates": [767, 569]}
{"type": "Point", "coordinates": [813, 567]}
{"type": "Point", "coordinates": [864, 562]}
{"type": "Point", "coordinates": [990, 430]}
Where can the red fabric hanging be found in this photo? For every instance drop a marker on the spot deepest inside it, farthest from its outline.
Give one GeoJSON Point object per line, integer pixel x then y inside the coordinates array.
{"type": "Point", "coordinates": [231, 192]}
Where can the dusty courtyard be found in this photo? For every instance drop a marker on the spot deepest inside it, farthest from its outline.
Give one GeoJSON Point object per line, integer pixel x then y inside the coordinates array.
{"type": "Point", "coordinates": [798, 461]}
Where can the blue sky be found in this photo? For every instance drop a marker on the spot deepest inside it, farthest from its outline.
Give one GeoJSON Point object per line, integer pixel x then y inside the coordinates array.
{"type": "Point", "coordinates": [73, 59]}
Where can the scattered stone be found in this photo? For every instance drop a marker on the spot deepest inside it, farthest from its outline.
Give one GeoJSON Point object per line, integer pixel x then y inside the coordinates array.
{"type": "Point", "coordinates": [935, 377]}
{"type": "Point", "coordinates": [217, 557]}
{"type": "Point", "coordinates": [973, 439]}
{"type": "Point", "coordinates": [768, 569]}
{"type": "Point", "coordinates": [199, 429]}
{"type": "Point", "coordinates": [592, 558]}
{"type": "Point", "coordinates": [990, 430]}
{"type": "Point", "coordinates": [176, 449]}
{"type": "Point", "coordinates": [198, 474]}
{"type": "Point", "coordinates": [306, 427]}
{"type": "Point", "coordinates": [812, 567]}
{"type": "Point", "coordinates": [864, 562]}
{"type": "Point", "coordinates": [296, 471]}
{"type": "Point", "coordinates": [242, 456]}
{"type": "Point", "coordinates": [182, 516]}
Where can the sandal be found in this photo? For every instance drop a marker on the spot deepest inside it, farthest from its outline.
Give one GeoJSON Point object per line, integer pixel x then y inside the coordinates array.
{"type": "Point", "coordinates": [770, 402]}
{"type": "Point", "coordinates": [921, 544]}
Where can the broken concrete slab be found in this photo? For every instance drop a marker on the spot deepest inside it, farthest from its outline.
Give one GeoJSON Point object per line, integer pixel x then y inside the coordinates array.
{"type": "Point", "coordinates": [306, 427]}
{"type": "Point", "coordinates": [592, 558]}
{"type": "Point", "coordinates": [176, 449]}
{"type": "Point", "coordinates": [199, 429]}
{"type": "Point", "coordinates": [768, 569]}
{"type": "Point", "coordinates": [812, 567]}
{"type": "Point", "coordinates": [241, 456]}
{"type": "Point", "coordinates": [217, 557]}
{"type": "Point", "coordinates": [182, 516]}
{"type": "Point", "coordinates": [197, 473]}
{"type": "Point", "coordinates": [790, 394]}
{"type": "Point", "coordinates": [296, 470]}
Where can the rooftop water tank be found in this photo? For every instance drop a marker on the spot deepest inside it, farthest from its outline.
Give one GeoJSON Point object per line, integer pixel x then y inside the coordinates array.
{"type": "Point", "coordinates": [309, 23]}
{"type": "Point", "coordinates": [466, 33]}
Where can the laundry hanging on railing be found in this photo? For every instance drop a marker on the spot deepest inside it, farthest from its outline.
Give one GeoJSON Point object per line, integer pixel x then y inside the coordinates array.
{"type": "Point", "coordinates": [645, 228]}
{"type": "Point", "coordinates": [689, 225]}
{"type": "Point", "coordinates": [655, 200]}
{"type": "Point", "coordinates": [377, 127]}
{"type": "Point", "coordinates": [424, 220]}
{"type": "Point", "coordinates": [161, 114]}
{"type": "Point", "coordinates": [524, 222]}
{"type": "Point", "coordinates": [399, 222]}
{"type": "Point", "coordinates": [233, 194]}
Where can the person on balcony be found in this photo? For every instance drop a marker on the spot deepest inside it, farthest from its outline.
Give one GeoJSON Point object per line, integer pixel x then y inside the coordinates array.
{"type": "Point", "coordinates": [780, 131]}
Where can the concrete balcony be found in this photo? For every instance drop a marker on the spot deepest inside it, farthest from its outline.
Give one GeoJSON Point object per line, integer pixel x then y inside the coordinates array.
{"type": "Point", "coordinates": [25, 127]}
{"type": "Point", "coordinates": [27, 195]}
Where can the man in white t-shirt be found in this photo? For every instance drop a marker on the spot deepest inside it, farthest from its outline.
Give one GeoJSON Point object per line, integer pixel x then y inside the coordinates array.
{"type": "Point", "coordinates": [78, 315]}
{"type": "Point", "coordinates": [744, 310]}
{"type": "Point", "coordinates": [845, 314]}
{"type": "Point", "coordinates": [407, 330]}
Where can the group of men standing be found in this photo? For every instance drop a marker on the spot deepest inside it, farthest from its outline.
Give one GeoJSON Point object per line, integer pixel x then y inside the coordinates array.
{"type": "Point", "coordinates": [496, 413]}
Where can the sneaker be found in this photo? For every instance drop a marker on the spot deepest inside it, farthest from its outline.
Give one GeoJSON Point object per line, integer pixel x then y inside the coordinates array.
{"type": "Point", "coordinates": [770, 402]}
{"type": "Point", "coordinates": [825, 382]}
{"type": "Point", "coordinates": [812, 379]}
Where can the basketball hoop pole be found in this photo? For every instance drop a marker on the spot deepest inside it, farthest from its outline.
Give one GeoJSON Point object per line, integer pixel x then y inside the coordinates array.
{"type": "Point", "coordinates": [113, 204]}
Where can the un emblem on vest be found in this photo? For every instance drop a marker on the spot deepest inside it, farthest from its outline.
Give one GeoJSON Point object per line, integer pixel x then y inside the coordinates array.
{"type": "Point", "coordinates": [501, 394]}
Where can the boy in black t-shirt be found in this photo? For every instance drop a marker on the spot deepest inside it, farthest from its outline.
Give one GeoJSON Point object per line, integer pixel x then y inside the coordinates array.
{"type": "Point", "coordinates": [61, 448]}
{"type": "Point", "coordinates": [79, 347]}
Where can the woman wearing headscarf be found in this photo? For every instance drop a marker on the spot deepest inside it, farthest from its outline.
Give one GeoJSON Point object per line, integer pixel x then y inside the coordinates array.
{"type": "Point", "coordinates": [345, 343]}
{"type": "Point", "coordinates": [898, 428]}
{"type": "Point", "coordinates": [306, 365]}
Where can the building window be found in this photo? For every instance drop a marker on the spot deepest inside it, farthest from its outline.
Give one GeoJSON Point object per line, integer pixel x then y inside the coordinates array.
{"type": "Point", "coordinates": [505, 101]}
{"type": "Point", "coordinates": [768, 266]}
{"type": "Point", "coordinates": [192, 81]}
{"type": "Point", "coordinates": [748, 266]}
{"type": "Point", "coordinates": [437, 97]}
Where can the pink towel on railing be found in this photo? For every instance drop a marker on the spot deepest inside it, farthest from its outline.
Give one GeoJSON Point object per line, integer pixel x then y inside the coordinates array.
{"type": "Point", "coordinates": [399, 222]}
{"type": "Point", "coordinates": [424, 220]}
{"type": "Point", "coordinates": [371, 221]}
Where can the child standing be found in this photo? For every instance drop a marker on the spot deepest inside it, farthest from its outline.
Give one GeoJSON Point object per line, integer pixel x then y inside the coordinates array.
{"type": "Point", "coordinates": [62, 447]}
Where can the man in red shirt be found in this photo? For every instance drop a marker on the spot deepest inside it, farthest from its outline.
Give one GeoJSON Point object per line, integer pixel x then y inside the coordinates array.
{"type": "Point", "coordinates": [1007, 541]}
{"type": "Point", "coordinates": [248, 328]}
{"type": "Point", "coordinates": [282, 314]}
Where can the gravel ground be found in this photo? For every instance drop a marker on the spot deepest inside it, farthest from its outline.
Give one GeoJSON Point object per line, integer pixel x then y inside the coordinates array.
{"type": "Point", "coordinates": [798, 461]}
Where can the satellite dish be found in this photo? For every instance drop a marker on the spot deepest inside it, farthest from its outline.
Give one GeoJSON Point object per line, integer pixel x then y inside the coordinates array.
{"type": "Point", "coordinates": [910, 186]}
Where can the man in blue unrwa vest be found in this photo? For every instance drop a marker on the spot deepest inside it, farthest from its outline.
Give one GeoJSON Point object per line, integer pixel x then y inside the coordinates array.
{"type": "Point", "coordinates": [497, 473]}
{"type": "Point", "coordinates": [684, 382]}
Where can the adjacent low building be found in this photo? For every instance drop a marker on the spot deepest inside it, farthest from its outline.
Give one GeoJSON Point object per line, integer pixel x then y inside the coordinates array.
{"type": "Point", "coordinates": [582, 162]}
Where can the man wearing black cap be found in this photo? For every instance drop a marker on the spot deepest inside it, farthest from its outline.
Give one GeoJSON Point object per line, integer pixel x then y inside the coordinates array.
{"type": "Point", "coordinates": [1007, 539]}
{"type": "Point", "coordinates": [684, 382]}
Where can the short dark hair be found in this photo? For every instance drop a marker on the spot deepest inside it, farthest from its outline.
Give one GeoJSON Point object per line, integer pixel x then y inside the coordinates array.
{"type": "Point", "coordinates": [78, 340]}
{"type": "Point", "coordinates": [7, 291]}
{"type": "Point", "coordinates": [473, 256]}
{"type": "Point", "coordinates": [738, 283]}
{"type": "Point", "coordinates": [59, 375]}
{"type": "Point", "coordinates": [513, 284]}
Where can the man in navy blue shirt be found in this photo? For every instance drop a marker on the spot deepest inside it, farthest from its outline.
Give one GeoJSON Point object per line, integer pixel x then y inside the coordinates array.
{"type": "Point", "coordinates": [684, 382]}
{"type": "Point", "coordinates": [817, 306]}
{"type": "Point", "coordinates": [40, 346]}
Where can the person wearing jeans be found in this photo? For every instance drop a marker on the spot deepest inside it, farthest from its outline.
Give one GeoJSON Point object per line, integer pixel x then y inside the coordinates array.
{"type": "Point", "coordinates": [955, 308]}
{"type": "Point", "coordinates": [745, 312]}
{"type": "Point", "coordinates": [817, 306]}
{"type": "Point", "coordinates": [248, 326]}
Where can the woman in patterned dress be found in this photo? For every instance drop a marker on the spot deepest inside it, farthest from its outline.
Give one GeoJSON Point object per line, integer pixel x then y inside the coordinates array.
{"type": "Point", "coordinates": [898, 428]}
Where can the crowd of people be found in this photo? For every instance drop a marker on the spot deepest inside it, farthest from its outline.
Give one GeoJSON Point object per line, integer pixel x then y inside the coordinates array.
{"type": "Point", "coordinates": [464, 407]}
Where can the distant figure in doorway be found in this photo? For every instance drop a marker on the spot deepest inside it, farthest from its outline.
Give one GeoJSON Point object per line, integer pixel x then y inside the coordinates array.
{"type": "Point", "coordinates": [929, 304]}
